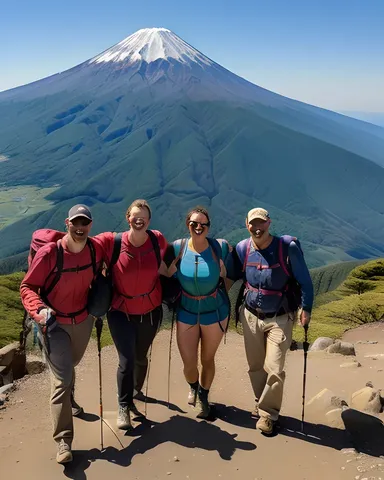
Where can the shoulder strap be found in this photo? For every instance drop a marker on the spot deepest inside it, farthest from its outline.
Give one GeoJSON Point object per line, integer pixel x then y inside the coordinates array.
{"type": "Point", "coordinates": [58, 267]}
{"type": "Point", "coordinates": [156, 246]}
{"type": "Point", "coordinates": [284, 243]}
{"type": "Point", "coordinates": [93, 255]}
{"type": "Point", "coordinates": [178, 248]}
{"type": "Point", "coordinates": [216, 247]}
{"type": "Point", "coordinates": [116, 249]}
{"type": "Point", "coordinates": [247, 250]}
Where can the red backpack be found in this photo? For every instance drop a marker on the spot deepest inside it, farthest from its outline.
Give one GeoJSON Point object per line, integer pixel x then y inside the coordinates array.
{"type": "Point", "coordinates": [43, 237]}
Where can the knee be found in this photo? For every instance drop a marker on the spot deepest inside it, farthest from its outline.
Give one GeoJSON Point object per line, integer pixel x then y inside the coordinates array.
{"type": "Point", "coordinates": [65, 382]}
{"type": "Point", "coordinates": [208, 362]}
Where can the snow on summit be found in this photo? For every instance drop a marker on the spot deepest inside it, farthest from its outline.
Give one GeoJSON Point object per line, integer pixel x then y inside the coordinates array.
{"type": "Point", "coordinates": [150, 44]}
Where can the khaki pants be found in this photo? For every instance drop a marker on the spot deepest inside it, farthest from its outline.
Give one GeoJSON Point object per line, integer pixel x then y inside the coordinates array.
{"type": "Point", "coordinates": [67, 344]}
{"type": "Point", "coordinates": [266, 344]}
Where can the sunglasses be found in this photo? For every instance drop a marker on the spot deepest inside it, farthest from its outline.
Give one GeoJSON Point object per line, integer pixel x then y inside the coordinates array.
{"type": "Point", "coordinates": [80, 221]}
{"type": "Point", "coordinates": [196, 224]}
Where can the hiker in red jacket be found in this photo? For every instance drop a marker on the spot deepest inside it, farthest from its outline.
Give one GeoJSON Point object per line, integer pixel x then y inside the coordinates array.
{"type": "Point", "coordinates": [57, 302]}
{"type": "Point", "coordinates": [136, 311]}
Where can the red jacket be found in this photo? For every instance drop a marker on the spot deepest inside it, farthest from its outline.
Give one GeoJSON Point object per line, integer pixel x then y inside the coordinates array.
{"type": "Point", "coordinates": [71, 292]}
{"type": "Point", "coordinates": [135, 274]}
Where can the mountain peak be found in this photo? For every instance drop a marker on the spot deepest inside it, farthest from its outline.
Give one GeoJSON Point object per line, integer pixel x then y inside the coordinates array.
{"type": "Point", "coordinates": [149, 45]}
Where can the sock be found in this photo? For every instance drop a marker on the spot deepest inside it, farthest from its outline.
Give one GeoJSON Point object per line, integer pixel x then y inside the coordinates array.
{"type": "Point", "coordinates": [203, 393]}
{"type": "Point", "coordinates": [194, 385]}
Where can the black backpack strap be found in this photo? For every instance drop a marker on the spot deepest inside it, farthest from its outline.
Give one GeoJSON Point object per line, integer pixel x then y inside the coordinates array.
{"type": "Point", "coordinates": [58, 268]}
{"type": "Point", "coordinates": [216, 247]}
{"type": "Point", "coordinates": [93, 255]}
{"type": "Point", "coordinates": [156, 246]}
{"type": "Point", "coordinates": [116, 249]}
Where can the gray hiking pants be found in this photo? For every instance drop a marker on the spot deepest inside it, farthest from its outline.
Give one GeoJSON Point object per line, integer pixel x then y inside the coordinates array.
{"type": "Point", "coordinates": [67, 344]}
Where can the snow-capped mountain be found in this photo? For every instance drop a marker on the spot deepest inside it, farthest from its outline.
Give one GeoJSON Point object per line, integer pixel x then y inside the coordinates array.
{"type": "Point", "coordinates": [149, 45]}
{"type": "Point", "coordinates": [154, 117]}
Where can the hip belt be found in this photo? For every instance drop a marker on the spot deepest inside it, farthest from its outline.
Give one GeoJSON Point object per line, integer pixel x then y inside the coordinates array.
{"type": "Point", "coordinates": [261, 315]}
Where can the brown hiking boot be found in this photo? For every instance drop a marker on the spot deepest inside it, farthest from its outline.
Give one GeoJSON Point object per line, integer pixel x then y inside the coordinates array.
{"type": "Point", "coordinates": [124, 418]}
{"type": "Point", "coordinates": [64, 454]}
{"type": "Point", "coordinates": [265, 425]}
{"type": "Point", "coordinates": [255, 412]}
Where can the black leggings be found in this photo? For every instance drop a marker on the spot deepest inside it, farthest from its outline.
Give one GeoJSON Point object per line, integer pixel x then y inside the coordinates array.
{"type": "Point", "coordinates": [132, 335]}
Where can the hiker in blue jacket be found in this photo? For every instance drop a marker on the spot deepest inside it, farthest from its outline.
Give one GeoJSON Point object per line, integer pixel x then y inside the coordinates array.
{"type": "Point", "coordinates": [202, 315]}
{"type": "Point", "coordinates": [277, 288]}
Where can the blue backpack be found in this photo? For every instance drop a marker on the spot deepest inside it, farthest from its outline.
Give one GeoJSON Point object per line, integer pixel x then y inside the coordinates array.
{"type": "Point", "coordinates": [292, 289]}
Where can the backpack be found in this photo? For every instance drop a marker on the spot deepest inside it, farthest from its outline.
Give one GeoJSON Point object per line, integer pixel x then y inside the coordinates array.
{"type": "Point", "coordinates": [101, 291]}
{"type": "Point", "coordinates": [293, 289]}
{"type": "Point", "coordinates": [172, 285]}
{"type": "Point", "coordinates": [40, 238]}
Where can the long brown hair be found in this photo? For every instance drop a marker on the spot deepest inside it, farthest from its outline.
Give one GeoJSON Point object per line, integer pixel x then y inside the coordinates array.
{"type": "Point", "coordinates": [139, 203]}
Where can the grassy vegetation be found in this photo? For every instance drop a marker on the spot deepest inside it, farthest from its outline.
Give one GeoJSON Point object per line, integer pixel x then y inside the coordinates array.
{"type": "Point", "coordinates": [11, 310]}
{"type": "Point", "coordinates": [342, 309]}
{"type": "Point", "coordinates": [19, 202]}
{"type": "Point", "coordinates": [337, 307]}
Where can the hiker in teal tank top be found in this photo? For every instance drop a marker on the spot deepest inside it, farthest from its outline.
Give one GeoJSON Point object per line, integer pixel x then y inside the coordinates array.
{"type": "Point", "coordinates": [199, 264]}
{"type": "Point", "coordinates": [201, 301]}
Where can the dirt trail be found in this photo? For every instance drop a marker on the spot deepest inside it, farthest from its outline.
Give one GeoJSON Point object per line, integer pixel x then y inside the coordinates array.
{"type": "Point", "coordinates": [174, 444]}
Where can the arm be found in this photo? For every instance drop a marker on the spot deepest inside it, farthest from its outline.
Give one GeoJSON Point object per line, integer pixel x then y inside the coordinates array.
{"type": "Point", "coordinates": [169, 261]}
{"type": "Point", "coordinates": [234, 266]}
{"type": "Point", "coordinates": [105, 241]}
{"type": "Point", "coordinates": [163, 245]}
{"type": "Point", "coordinates": [42, 265]}
{"type": "Point", "coordinates": [301, 273]}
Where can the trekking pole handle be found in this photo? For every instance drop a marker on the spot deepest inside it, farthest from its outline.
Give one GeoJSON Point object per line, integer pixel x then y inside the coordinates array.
{"type": "Point", "coordinates": [50, 322]}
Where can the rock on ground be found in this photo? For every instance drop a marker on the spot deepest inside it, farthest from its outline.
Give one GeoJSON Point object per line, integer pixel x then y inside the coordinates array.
{"type": "Point", "coordinates": [367, 400]}
{"type": "Point", "coordinates": [351, 365]}
{"type": "Point", "coordinates": [321, 343]}
{"type": "Point", "coordinates": [343, 348]}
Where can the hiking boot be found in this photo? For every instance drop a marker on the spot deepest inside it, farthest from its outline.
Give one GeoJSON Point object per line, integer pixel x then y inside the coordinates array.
{"type": "Point", "coordinates": [192, 395]}
{"type": "Point", "coordinates": [265, 425]}
{"type": "Point", "coordinates": [202, 403]}
{"type": "Point", "coordinates": [255, 412]}
{"type": "Point", "coordinates": [76, 409]}
{"type": "Point", "coordinates": [124, 418]}
{"type": "Point", "coordinates": [64, 454]}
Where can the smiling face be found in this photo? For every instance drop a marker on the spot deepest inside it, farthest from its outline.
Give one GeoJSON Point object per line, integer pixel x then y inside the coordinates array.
{"type": "Point", "coordinates": [259, 229]}
{"type": "Point", "coordinates": [79, 228]}
{"type": "Point", "coordinates": [198, 225]}
{"type": "Point", "coordinates": [139, 218]}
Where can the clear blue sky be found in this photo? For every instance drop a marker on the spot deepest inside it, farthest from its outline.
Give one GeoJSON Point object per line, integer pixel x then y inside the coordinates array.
{"type": "Point", "coordinates": [325, 52]}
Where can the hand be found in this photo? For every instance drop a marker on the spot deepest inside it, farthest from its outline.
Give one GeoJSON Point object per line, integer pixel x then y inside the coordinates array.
{"type": "Point", "coordinates": [43, 315]}
{"type": "Point", "coordinates": [305, 318]}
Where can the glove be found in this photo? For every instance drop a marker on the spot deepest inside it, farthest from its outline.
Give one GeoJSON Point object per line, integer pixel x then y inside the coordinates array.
{"type": "Point", "coordinates": [43, 315]}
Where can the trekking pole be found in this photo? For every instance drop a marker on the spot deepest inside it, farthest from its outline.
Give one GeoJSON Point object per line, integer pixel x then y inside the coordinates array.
{"type": "Point", "coordinates": [99, 328]}
{"type": "Point", "coordinates": [305, 348]}
{"type": "Point", "coordinates": [169, 358]}
{"type": "Point", "coordinates": [146, 387]}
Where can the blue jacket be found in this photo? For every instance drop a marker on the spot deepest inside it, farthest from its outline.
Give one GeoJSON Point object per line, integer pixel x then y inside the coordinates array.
{"type": "Point", "coordinates": [267, 283]}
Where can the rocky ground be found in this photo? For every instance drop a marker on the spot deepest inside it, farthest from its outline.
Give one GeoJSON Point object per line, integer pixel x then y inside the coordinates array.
{"type": "Point", "coordinates": [172, 443]}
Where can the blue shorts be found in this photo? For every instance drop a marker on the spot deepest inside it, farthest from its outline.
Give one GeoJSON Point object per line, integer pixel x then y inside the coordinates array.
{"type": "Point", "coordinates": [208, 318]}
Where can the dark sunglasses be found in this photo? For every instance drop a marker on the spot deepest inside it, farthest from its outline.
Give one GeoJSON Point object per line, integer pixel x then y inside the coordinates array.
{"type": "Point", "coordinates": [81, 221]}
{"type": "Point", "coordinates": [195, 224]}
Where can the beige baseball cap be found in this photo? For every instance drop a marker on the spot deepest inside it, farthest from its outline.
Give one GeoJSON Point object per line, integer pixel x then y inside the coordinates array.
{"type": "Point", "coordinates": [258, 213]}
